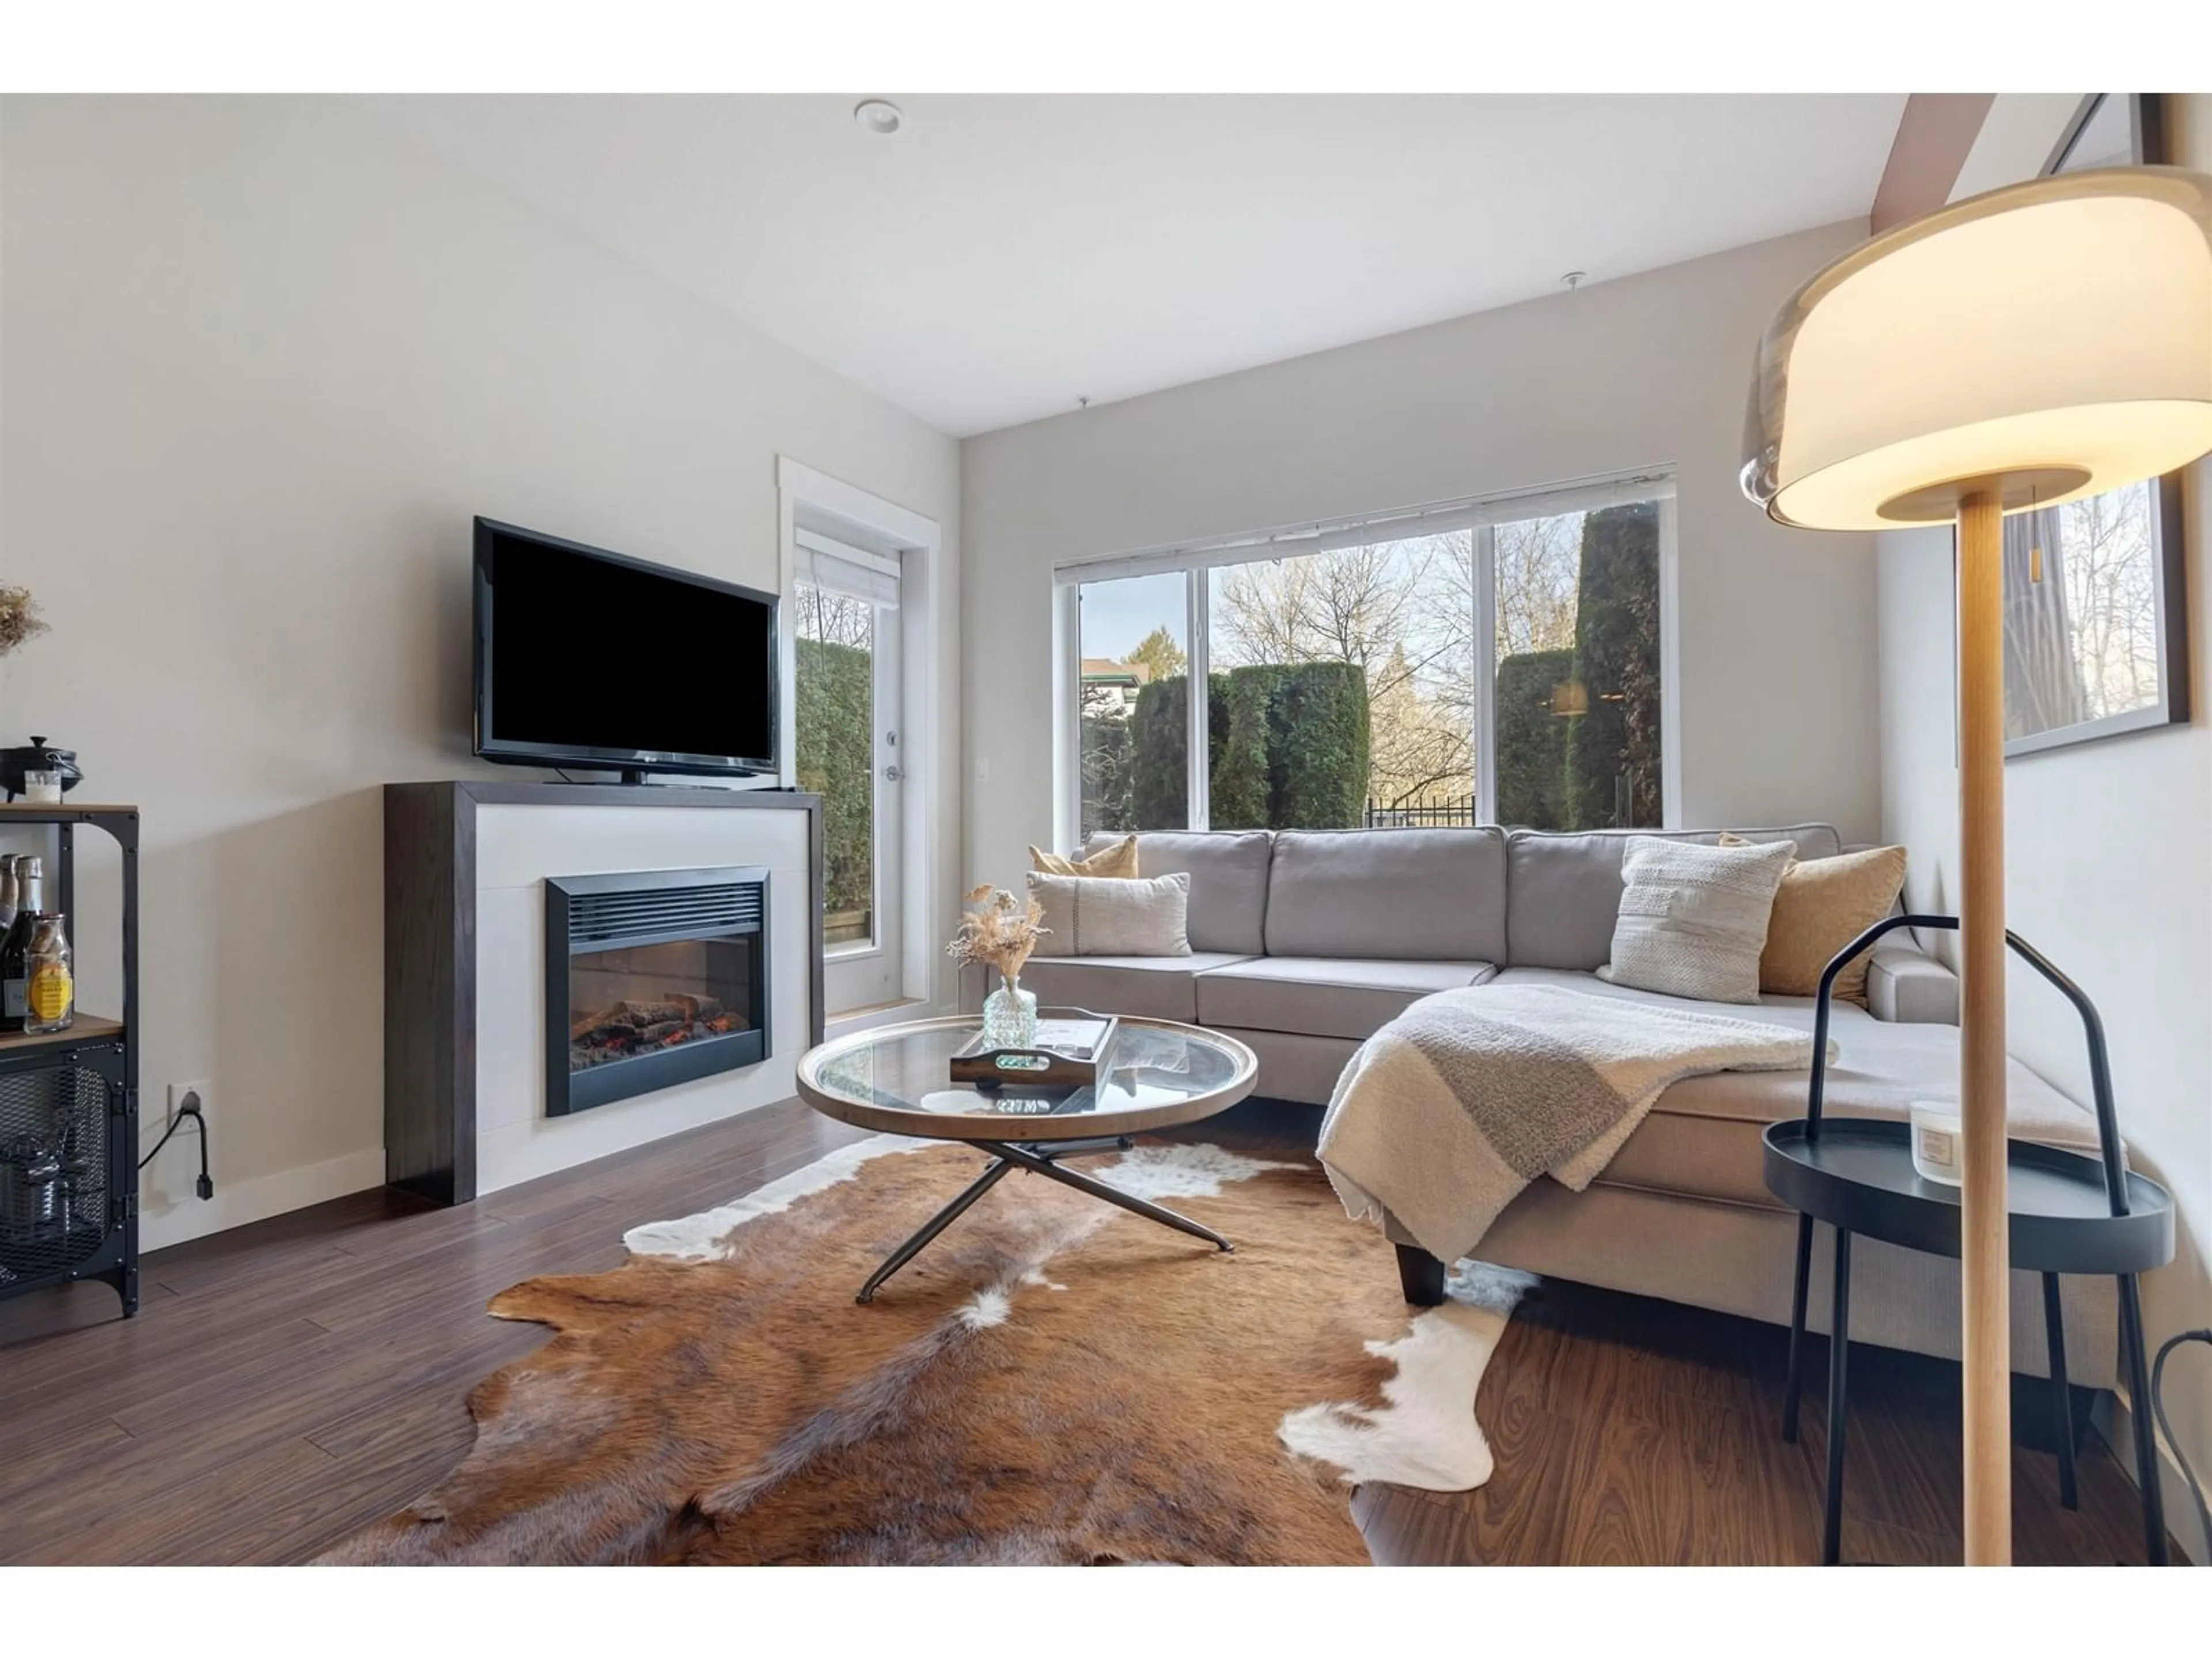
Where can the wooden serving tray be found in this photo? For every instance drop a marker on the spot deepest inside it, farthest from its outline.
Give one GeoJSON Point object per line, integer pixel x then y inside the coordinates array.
{"type": "Point", "coordinates": [1047, 1066]}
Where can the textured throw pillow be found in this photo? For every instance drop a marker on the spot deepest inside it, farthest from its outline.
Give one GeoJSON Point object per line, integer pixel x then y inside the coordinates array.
{"type": "Point", "coordinates": [1101, 916]}
{"type": "Point", "coordinates": [1118, 862]}
{"type": "Point", "coordinates": [1693, 919]}
{"type": "Point", "coordinates": [1823, 904]}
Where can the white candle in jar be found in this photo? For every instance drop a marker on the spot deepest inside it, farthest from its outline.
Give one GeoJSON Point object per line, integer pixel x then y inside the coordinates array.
{"type": "Point", "coordinates": [1938, 1147]}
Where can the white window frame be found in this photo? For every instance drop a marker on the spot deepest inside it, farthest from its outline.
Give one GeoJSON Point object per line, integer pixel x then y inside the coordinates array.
{"type": "Point", "coordinates": [1477, 514]}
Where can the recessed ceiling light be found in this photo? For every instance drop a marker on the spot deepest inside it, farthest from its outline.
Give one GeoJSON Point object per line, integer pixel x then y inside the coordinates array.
{"type": "Point", "coordinates": [878, 116]}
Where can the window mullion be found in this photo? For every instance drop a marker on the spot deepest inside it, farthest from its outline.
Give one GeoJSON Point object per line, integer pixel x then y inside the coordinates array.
{"type": "Point", "coordinates": [1485, 675]}
{"type": "Point", "coordinates": [1199, 697]}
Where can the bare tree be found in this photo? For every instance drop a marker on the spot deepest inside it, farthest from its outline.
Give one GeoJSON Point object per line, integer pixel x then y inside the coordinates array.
{"type": "Point", "coordinates": [836, 618]}
{"type": "Point", "coordinates": [2110, 572]}
{"type": "Point", "coordinates": [1401, 611]}
{"type": "Point", "coordinates": [1538, 564]}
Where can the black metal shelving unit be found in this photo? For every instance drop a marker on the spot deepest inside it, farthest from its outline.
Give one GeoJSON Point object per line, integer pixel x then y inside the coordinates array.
{"type": "Point", "coordinates": [77, 1090]}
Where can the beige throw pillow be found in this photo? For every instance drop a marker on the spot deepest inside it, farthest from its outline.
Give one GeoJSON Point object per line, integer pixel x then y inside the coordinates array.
{"type": "Point", "coordinates": [1693, 919]}
{"type": "Point", "coordinates": [1822, 905]}
{"type": "Point", "coordinates": [1117, 862]}
{"type": "Point", "coordinates": [1101, 916]}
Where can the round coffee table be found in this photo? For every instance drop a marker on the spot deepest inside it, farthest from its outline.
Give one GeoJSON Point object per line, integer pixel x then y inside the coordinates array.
{"type": "Point", "coordinates": [894, 1079]}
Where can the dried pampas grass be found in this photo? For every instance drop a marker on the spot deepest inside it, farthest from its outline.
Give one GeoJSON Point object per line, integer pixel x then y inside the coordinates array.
{"type": "Point", "coordinates": [19, 617]}
{"type": "Point", "coordinates": [998, 931]}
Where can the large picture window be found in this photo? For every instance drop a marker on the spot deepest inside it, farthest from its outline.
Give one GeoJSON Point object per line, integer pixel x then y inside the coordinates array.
{"type": "Point", "coordinates": [1487, 662]}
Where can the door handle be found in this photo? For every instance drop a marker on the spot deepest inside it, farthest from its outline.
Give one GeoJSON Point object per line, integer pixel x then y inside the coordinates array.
{"type": "Point", "coordinates": [891, 775]}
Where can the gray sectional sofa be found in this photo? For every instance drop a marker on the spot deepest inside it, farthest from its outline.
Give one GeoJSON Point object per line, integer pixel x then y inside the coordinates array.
{"type": "Point", "coordinates": [1304, 943]}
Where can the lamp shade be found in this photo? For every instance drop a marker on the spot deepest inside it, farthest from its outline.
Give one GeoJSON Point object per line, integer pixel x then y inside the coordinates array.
{"type": "Point", "coordinates": [2050, 340]}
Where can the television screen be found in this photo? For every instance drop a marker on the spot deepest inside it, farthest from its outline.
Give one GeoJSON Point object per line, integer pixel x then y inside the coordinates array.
{"type": "Point", "coordinates": [586, 658]}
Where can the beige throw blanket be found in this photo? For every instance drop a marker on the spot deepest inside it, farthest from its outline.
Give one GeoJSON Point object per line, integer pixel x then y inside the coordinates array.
{"type": "Point", "coordinates": [1450, 1110]}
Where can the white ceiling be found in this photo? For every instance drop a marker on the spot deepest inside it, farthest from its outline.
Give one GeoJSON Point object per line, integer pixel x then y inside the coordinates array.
{"type": "Point", "coordinates": [1001, 257]}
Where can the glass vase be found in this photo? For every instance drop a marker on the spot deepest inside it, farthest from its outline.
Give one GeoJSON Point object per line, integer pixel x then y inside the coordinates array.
{"type": "Point", "coordinates": [1010, 1019]}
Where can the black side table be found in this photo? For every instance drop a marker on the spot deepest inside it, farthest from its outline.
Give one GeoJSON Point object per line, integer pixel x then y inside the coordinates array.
{"type": "Point", "coordinates": [2066, 1214]}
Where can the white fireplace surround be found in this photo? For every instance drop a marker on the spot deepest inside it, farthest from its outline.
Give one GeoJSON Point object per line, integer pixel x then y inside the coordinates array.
{"type": "Point", "coordinates": [517, 848]}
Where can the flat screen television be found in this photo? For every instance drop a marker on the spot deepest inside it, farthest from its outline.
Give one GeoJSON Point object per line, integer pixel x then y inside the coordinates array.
{"type": "Point", "coordinates": [587, 659]}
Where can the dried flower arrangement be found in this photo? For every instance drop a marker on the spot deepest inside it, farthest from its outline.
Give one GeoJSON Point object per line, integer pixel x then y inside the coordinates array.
{"type": "Point", "coordinates": [19, 617]}
{"type": "Point", "coordinates": [998, 930]}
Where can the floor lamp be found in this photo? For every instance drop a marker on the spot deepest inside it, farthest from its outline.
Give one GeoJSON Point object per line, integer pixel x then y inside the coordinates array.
{"type": "Point", "coordinates": [2012, 351]}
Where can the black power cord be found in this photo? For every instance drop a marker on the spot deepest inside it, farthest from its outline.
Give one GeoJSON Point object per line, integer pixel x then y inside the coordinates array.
{"type": "Point", "coordinates": [189, 1108]}
{"type": "Point", "coordinates": [2158, 1415]}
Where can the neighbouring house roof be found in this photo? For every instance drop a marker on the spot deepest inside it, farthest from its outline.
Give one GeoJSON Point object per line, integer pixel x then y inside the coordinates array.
{"type": "Point", "coordinates": [1104, 670]}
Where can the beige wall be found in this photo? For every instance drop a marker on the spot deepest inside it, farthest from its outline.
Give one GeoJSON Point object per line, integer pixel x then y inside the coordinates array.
{"type": "Point", "coordinates": [263, 359]}
{"type": "Point", "coordinates": [1776, 629]}
{"type": "Point", "coordinates": [2108, 848]}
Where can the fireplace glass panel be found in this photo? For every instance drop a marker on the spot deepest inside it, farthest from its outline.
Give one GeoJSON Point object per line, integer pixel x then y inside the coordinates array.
{"type": "Point", "coordinates": [638, 999]}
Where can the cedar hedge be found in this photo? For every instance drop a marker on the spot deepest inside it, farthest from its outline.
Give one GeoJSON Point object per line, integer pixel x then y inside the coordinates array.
{"type": "Point", "coordinates": [1612, 750]}
{"type": "Point", "coordinates": [1288, 748]}
{"type": "Point", "coordinates": [1532, 740]}
{"type": "Point", "coordinates": [835, 684]}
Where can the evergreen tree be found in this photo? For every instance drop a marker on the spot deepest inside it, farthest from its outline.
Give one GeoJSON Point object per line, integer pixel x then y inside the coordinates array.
{"type": "Point", "coordinates": [1612, 747]}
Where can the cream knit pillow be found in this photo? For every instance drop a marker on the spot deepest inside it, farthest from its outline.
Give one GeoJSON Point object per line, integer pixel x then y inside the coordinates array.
{"type": "Point", "coordinates": [1822, 905]}
{"type": "Point", "coordinates": [1693, 919]}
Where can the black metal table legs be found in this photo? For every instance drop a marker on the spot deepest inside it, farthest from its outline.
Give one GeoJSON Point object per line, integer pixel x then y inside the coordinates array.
{"type": "Point", "coordinates": [2062, 1404]}
{"type": "Point", "coordinates": [1795, 1386]}
{"type": "Point", "coordinates": [930, 1229]}
{"type": "Point", "coordinates": [2147, 1473]}
{"type": "Point", "coordinates": [1037, 1160]}
{"type": "Point", "coordinates": [2054, 1326]}
{"type": "Point", "coordinates": [1839, 1350]}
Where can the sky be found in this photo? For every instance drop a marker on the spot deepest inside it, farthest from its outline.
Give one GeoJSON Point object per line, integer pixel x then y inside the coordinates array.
{"type": "Point", "coordinates": [1117, 615]}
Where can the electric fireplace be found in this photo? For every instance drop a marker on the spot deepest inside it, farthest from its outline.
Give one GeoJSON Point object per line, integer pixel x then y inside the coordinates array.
{"type": "Point", "coordinates": [651, 978]}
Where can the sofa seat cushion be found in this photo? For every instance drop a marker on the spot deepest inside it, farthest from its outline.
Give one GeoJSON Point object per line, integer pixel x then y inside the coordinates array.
{"type": "Point", "coordinates": [1157, 987]}
{"type": "Point", "coordinates": [1702, 1138]}
{"type": "Point", "coordinates": [1325, 996]}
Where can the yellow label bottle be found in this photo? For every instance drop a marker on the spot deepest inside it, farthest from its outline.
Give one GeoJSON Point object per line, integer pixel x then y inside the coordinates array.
{"type": "Point", "coordinates": [50, 994]}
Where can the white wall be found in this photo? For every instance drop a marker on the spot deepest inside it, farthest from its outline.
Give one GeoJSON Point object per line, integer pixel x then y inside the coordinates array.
{"type": "Point", "coordinates": [263, 360]}
{"type": "Point", "coordinates": [2108, 858]}
{"type": "Point", "coordinates": [1778, 628]}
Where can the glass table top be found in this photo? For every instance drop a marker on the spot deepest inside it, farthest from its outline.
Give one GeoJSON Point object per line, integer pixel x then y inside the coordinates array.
{"type": "Point", "coordinates": [1157, 1073]}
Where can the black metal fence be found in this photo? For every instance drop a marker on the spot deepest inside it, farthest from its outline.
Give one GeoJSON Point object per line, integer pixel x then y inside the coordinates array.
{"type": "Point", "coordinates": [1421, 814]}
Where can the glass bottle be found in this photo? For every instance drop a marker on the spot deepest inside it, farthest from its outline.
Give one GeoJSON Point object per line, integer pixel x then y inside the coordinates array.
{"type": "Point", "coordinates": [49, 994]}
{"type": "Point", "coordinates": [15, 950]}
{"type": "Point", "coordinates": [1010, 1016]}
{"type": "Point", "coordinates": [8, 893]}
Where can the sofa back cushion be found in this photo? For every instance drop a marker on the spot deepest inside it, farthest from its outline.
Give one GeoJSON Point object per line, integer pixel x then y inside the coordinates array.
{"type": "Point", "coordinates": [1228, 871]}
{"type": "Point", "coordinates": [1389, 894]}
{"type": "Point", "coordinates": [1564, 887]}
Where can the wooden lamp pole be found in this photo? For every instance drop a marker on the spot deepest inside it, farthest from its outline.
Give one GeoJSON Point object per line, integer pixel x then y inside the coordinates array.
{"type": "Point", "coordinates": [1983, 1251]}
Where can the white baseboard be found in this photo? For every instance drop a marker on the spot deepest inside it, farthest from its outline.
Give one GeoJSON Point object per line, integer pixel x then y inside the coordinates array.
{"type": "Point", "coordinates": [237, 1202]}
{"type": "Point", "coordinates": [2115, 1422]}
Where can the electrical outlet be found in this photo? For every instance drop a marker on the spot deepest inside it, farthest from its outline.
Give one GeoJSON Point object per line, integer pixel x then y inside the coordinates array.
{"type": "Point", "coordinates": [983, 768]}
{"type": "Point", "coordinates": [204, 1089]}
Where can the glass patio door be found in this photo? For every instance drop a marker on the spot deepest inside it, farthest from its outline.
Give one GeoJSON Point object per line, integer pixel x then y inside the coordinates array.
{"type": "Point", "coordinates": [848, 714]}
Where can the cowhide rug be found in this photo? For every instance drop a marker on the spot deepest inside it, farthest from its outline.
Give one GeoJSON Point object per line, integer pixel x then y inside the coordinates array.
{"type": "Point", "coordinates": [1054, 1380]}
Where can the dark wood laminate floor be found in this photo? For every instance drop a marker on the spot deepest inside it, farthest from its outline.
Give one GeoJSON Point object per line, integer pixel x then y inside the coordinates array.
{"type": "Point", "coordinates": [286, 1383]}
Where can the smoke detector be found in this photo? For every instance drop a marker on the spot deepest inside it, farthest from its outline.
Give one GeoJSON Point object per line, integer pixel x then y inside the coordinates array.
{"type": "Point", "coordinates": [878, 115]}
